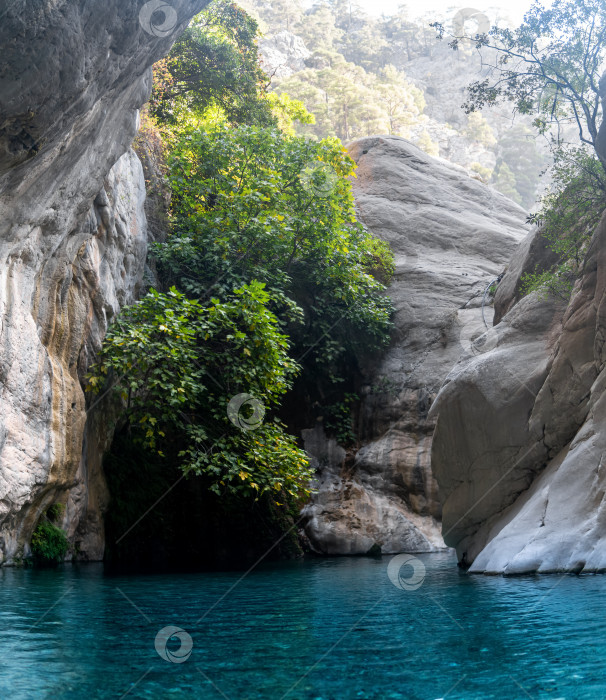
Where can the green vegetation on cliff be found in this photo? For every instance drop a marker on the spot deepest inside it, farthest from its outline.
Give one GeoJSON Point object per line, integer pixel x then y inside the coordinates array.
{"type": "Point", "coordinates": [568, 217]}
{"type": "Point", "coordinates": [49, 543]}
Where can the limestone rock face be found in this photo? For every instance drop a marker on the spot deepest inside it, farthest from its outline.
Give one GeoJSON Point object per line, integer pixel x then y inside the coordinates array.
{"type": "Point", "coordinates": [358, 513]}
{"type": "Point", "coordinates": [283, 54]}
{"type": "Point", "coordinates": [72, 241]}
{"type": "Point", "coordinates": [520, 442]}
{"type": "Point", "coordinates": [451, 236]}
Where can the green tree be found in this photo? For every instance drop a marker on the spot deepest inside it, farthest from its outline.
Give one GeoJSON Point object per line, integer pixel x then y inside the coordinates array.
{"type": "Point", "coordinates": [504, 180]}
{"type": "Point", "coordinates": [265, 262]}
{"type": "Point", "coordinates": [180, 363]}
{"type": "Point", "coordinates": [362, 41]}
{"type": "Point", "coordinates": [402, 102]}
{"type": "Point", "coordinates": [402, 38]}
{"type": "Point", "coordinates": [549, 66]}
{"type": "Point", "coordinates": [336, 95]}
{"type": "Point", "coordinates": [305, 87]}
{"type": "Point", "coordinates": [518, 149]}
{"type": "Point", "coordinates": [214, 62]}
{"type": "Point", "coordinates": [349, 102]}
{"type": "Point", "coordinates": [478, 129]}
{"type": "Point", "coordinates": [253, 204]}
{"type": "Point", "coordinates": [320, 31]}
{"type": "Point", "coordinates": [567, 219]}
{"type": "Point", "coordinates": [287, 111]}
{"type": "Point", "coordinates": [425, 143]}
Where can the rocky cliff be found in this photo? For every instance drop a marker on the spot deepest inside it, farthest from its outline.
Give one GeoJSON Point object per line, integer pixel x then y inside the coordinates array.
{"type": "Point", "coordinates": [73, 242]}
{"type": "Point", "coordinates": [73, 75]}
{"type": "Point", "coordinates": [451, 236]}
{"type": "Point", "coordinates": [519, 446]}
{"type": "Point", "coordinates": [283, 54]}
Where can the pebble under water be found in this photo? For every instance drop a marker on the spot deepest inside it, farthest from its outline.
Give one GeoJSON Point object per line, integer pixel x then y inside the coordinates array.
{"type": "Point", "coordinates": [321, 629]}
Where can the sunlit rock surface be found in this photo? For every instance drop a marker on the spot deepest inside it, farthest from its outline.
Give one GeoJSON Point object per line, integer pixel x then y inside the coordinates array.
{"type": "Point", "coordinates": [283, 54]}
{"type": "Point", "coordinates": [451, 236]}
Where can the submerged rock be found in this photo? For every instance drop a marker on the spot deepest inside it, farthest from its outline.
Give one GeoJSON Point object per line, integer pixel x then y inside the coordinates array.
{"type": "Point", "coordinates": [451, 236]}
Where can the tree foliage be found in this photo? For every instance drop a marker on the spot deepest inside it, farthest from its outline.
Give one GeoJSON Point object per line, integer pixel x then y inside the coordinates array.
{"type": "Point", "coordinates": [567, 218]}
{"type": "Point", "coordinates": [265, 275]}
{"type": "Point", "coordinates": [348, 102]}
{"type": "Point", "coordinates": [549, 66]}
{"type": "Point", "coordinates": [266, 263]}
{"type": "Point", "coordinates": [214, 63]}
{"type": "Point", "coordinates": [504, 180]}
{"type": "Point", "coordinates": [255, 204]}
{"type": "Point", "coordinates": [180, 363]}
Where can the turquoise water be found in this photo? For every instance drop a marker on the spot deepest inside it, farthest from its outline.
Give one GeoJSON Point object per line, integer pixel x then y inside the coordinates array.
{"type": "Point", "coordinates": [328, 629]}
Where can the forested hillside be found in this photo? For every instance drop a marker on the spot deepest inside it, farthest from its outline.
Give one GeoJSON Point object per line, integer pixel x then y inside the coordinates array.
{"type": "Point", "coordinates": [360, 75]}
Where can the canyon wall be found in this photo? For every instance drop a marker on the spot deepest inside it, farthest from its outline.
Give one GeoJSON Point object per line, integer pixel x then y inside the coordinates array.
{"type": "Point", "coordinates": [73, 241]}
{"type": "Point", "coordinates": [520, 442]}
{"type": "Point", "coordinates": [451, 236]}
